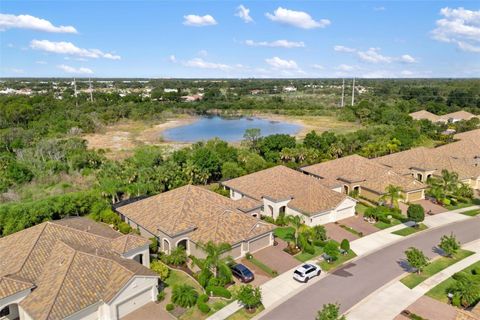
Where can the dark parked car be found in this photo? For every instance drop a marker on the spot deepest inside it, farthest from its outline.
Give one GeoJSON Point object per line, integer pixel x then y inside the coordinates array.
{"type": "Point", "coordinates": [242, 273]}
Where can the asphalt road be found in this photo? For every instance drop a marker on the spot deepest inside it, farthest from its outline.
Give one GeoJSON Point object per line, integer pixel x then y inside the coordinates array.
{"type": "Point", "coordinates": [355, 281]}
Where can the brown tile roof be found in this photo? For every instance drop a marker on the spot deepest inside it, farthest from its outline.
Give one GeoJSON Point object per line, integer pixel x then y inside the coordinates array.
{"type": "Point", "coordinates": [462, 115]}
{"type": "Point", "coordinates": [424, 114]}
{"type": "Point", "coordinates": [70, 268]}
{"type": "Point", "coordinates": [365, 172]}
{"type": "Point", "coordinates": [247, 204]}
{"type": "Point", "coordinates": [473, 135]}
{"type": "Point", "coordinates": [281, 183]}
{"type": "Point", "coordinates": [206, 215]}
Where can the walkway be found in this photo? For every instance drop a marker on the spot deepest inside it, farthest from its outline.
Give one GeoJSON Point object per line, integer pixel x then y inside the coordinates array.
{"type": "Point", "coordinates": [388, 301]}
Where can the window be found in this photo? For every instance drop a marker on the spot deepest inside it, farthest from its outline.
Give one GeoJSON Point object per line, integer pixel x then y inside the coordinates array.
{"type": "Point", "coordinates": [5, 311]}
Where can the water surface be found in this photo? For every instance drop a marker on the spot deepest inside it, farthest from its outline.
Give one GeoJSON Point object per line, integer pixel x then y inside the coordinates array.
{"type": "Point", "coordinates": [228, 129]}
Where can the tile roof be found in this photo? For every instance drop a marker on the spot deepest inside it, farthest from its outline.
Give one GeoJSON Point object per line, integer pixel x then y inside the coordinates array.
{"type": "Point", "coordinates": [424, 114]}
{"type": "Point", "coordinates": [281, 183]}
{"type": "Point", "coordinates": [458, 115]}
{"type": "Point", "coordinates": [69, 267]}
{"type": "Point", "coordinates": [473, 135]}
{"type": "Point", "coordinates": [206, 215]}
{"type": "Point", "coordinates": [365, 172]}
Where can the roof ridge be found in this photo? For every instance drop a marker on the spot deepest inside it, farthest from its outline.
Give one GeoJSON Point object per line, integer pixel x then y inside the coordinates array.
{"type": "Point", "coordinates": [33, 246]}
{"type": "Point", "coordinates": [183, 204]}
{"type": "Point", "coordinates": [83, 231]}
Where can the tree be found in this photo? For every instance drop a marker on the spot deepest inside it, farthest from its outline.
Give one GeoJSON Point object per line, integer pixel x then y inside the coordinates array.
{"type": "Point", "coordinates": [330, 311]}
{"type": "Point", "coordinates": [449, 244]}
{"type": "Point", "coordinates": [331, 249]}
{"type": "Point", "coordinates": [416, 213]}
{"type": "Point", "coordinates": [184, 295]}
{"type": "Point", "coordinates": [393, 194]}
{"type": "Point", "coordinates": [214, 260]}
{"type": "Point", "coordinates": [297, 223]}
{"type": "Point", "coordinates": [345, 245]}
{"type": "Point", "coordinates": [177, 257]}
{"type": "Point", "coordinates": [251, 138]}
{"type": "Point", "coordinates": [249, 296]}
{"type": "Point", "coordinates": [416, 258]}
{"type": "Point", "coordinates": [160, 268]}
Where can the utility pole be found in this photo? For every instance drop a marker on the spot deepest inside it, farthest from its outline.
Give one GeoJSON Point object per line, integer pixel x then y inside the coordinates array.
{"type": "Point", "coordinates": [90, 88]}
{"type": "Point", "coordinates": [353, 92]}
{"type": "Point", "coordinates": [75, 91]}
{"type": "Point", "coordinates": [343, 91]}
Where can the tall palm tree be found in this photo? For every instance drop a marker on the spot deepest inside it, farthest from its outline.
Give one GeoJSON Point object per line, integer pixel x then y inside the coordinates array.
{"type": "Point", "coordinates": [449, 181]}
{"type": "Point", "coordinates": [214, 260]}
{"type": "Point", "coordinates": [393, 194]}
{"type": "Point", "coordinates": [297, 223]}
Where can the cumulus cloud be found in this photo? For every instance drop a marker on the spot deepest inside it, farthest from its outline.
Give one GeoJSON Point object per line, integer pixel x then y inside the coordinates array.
{"type": "Point", "coordinates": [69, 69]}
{"type": "Point", "coordinates": [202, 64]}
{"type": "Point", "coordinates": [275, 44]}
{"type": "Point", "coordinates": [299, 19]}
{"type": "Point", "coordinates": [406, 58]}
{"type": "Point", "coordinates": [243, 13]}
{"type": "Point", "coordinates": [343, 49]}
{"type": "Point", "coordinates": [69, 48]}
{"type": "Point", "coordinates": [25, 21]}
{"type": "Point", "coordinates": [459, 26]}
{"type": "Point", "coordinates": [193, 20]}
{"type": "Point", "coordinates": [278, 63]}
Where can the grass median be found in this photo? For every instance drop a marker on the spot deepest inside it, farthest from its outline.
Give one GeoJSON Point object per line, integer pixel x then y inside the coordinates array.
{"type": "Point", "coordinates": [410, 230]}
{"type": "Point", "coordinates": [327, 266]}
{"type": "Point", "coordinates": [437, 265]}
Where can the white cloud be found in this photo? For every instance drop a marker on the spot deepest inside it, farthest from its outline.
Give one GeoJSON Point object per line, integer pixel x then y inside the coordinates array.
{"type": "Point", "coordinates": [199, 21]}
{"type": "Point", "coordinates": [69, 48]}
{"type": "Point", "coordinates": [406, 58]}
{"type": "Point", "coordinates": [10, 45]}
{"type": "Point", "coordinates": [244, 13]}
{"type": "Point", "coordinates": [202, 64]}
{"type": "Point", "coordinates": [298, 19]}
{"type": "Point", "coordinates": [373, 55]}
{"type": "Point", "coordinates": [172, 58]}
{"type": "Point", "coordinates": [318, 66]}
{"type": "Point", "coordinates": [24, 21]}
{"type": "Point", "coordinates": [278, 63]}
{"type": "Point", "coordinates": [345, 67]}
{"type": "Point", "coordinates": [275, 44]}
{"type": "Point", "coordinates": [69, 69]}
{"type": "Point", "coordinates": [343, 49]}
{"type": "Point", "coordinates": [459, 26]}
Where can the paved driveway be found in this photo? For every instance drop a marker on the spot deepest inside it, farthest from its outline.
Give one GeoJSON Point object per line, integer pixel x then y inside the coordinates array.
{"type": "Point", "coordinates": [356, 280]}
{"type": "Point", "coordinates": [337, 233]}
{"type": "Point", "coordinates": [429, 308]}
{"type": "Point", "coordinates": [427, 205]}
{"type": "Point", "coordinates": [276, 258]}
{"type": "Point", "coordinates": [357, 223]}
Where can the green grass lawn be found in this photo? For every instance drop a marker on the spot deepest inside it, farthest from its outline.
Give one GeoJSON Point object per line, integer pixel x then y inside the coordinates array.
{"type": "Point", "coordinates": [410, 230]}
{"type": "Point", "coordinates": [242, 314]}
{"type": "Point", "coordinates": [326, 266]}
{"type": "Point", "coordinates": [264, 267]}
{"type": "Point", "coordinates": [383, 225]}
{"type": "Point", "coordinates": [440, 291]}
{"type": "Point", "coordinates": [461, 205]}
{"type": "Point", "coordinates": [351, 230]}
{"type": "Point", "coordinates": [471, 213]}
{"type": "Point", "coordinates": [303, 256]}
{"type": "Point", "coordinates": [282, 232]}
{"type": "Point", "coordinates": [414, 279]}
{"type": "Point", "coordinates": [361, 208]}
{"type": "Point", "coordinates": [178, 277]}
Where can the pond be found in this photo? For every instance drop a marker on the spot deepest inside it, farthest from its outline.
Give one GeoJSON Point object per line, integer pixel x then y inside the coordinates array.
{"type": "Point", "coordinates": [228, 129]}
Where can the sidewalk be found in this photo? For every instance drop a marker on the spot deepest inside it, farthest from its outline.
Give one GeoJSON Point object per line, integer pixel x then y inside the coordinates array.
{"type": "Point", "coordinates": [387, 302]}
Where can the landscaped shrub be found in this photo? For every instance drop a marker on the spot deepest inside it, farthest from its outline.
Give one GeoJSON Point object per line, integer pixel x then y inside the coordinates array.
{"type": "Point", "coordinates": [170, 307]}
{"type": "Point", "coordinates": [184, 295]}
{"type": "Point", "coordinates": [124, 228]}
{"type": "Point", "coordinates": [416, 213]}
{"type": "Point", "coordinates": [204, 276]}
{"type": "Point", "coordinates": [160, 268]}
{"type": "Point", "coordinates": [202, 303]}
{"type": "Point", "coordinates": [177, 257]}
{"type": "Point", "coordinates": [248, 255]}
{"type": "Point", "coordinates": [319, 243]}
{"type": "Point", "coordinates": [345, 245]}
{"type": "Point", "coordinates": [456, 300]}
{"type": "Point", "coordinates": [161, 296]}
{"type": "Point", "coordinates": [153, 245]}
{"type": "Point", "coordinates": [268, 219]}
{"type": "Point", "coordinates": [216, 282]}
{"type": "Point", "coordinates": [331, 248]}
{"type": "Point", "coordinates": [308, 248]}
{"type": "Point", "coordinates": [216, 291]}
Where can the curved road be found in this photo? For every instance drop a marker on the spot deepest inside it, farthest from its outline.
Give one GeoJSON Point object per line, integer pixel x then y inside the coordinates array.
{"type": "Point", "coordinates": [356, 280]}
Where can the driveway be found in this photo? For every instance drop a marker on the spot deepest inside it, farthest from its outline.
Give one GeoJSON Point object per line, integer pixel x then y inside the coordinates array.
{"type": "Point", "coordinates": [427, 205]}
{"type": "Point", "coordinates": [337, 233]}
{"type": "Point", "coordinates": [354, 281]}
{"type": "Point", "coordinates": [357, 223]}
{"type": "Point", "coordinates": [150, 311]}
{"type": "Point", "coordinates": [429, 308]}
{"type": "Point", "coordinates": [276, 258]}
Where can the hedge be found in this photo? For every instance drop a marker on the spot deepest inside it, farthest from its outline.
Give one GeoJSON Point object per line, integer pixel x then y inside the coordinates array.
{"type": "Point", "coordinates": [218, 292]}
{"type": "Point", "coordinates": [202, 303]}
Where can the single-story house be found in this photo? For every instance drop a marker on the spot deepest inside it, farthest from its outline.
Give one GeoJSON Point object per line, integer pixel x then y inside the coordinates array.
{"type": "Point", "coordinates": [358, 174]}
{"type": "Point", "coordinates": [74, 268]}
{"type": "Point", "coordinates": [283, 190]}
{"type": "Point", "coordinates": [446, 118]}
{"type": "Point", "coordinates": [189, 216]}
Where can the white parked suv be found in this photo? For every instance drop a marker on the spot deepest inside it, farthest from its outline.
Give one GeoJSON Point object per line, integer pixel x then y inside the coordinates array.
{"type": "Point", "coordinates": [306, 272]}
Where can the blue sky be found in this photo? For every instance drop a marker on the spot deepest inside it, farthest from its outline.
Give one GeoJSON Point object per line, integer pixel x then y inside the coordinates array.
{"type": "Point", "coordinates": [240, 39]}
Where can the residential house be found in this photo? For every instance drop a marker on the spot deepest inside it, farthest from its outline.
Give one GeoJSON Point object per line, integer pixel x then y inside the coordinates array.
{"type": "Point", "coordinates": [447, 118]}
{"type": "Point", "coordinates": [74, 268]}
{"type": "Point", "coordinates": [365, 177]}
{"type": "Point", "coordinates": [189, 216]}
{"type": "Point", "coordinates": [283, 190]}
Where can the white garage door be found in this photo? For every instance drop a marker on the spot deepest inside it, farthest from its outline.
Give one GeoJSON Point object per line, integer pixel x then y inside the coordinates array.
{"type": "Point", "coordinates": [134, 303]}
{"type": "Point", "coordinates": [344, 213]}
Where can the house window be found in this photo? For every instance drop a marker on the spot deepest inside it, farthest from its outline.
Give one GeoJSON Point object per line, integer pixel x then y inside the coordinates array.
{"type": "Point", "coordinates": [139, 258]}
{"type": "Point", "coordinates": [5, 311]}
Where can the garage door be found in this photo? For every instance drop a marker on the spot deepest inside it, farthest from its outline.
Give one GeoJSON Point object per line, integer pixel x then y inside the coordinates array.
{"type": "Point", "coordinates": [414, 196]}
{"type": "Point", "coordinates": [134, 303]}
{"type": "Point", "coordinates": [261, 243]}
{"type": "Point", "coordinates": [344, 213]}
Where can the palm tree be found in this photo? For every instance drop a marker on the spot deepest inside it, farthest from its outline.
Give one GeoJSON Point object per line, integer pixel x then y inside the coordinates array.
{"type": "Point", "coordinates": [184, 295]}
{"type": "Point", "coordinates": [393, 193]}
{"type": "Point", "coordinates": [449, 181]}
{"type": "Point", "coordinates": [297, 223]}
{"type": "Point", "coordinates": [214, 260]}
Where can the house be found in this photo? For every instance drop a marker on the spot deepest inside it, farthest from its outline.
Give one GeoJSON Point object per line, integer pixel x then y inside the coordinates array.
{"type": "Point", "coordinates": [364, 176]}
{"type": "Point", "coordinates": [189, 216]}
{"type": "Point", "coordinates": [73, 268]}
{"type": "Point", "coordinates": [447, 118]}
{"type": "Point", "coordinates": [283, 190]}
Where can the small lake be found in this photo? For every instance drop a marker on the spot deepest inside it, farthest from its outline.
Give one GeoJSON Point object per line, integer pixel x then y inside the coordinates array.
{"type": "Point", "coordinates": [228, 129]}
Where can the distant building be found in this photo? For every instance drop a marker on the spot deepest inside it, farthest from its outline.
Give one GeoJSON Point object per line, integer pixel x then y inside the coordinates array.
{"type": "Point", "coordinates": [289, 89]}
{"type": "Point", "coordinates": [447, 118]}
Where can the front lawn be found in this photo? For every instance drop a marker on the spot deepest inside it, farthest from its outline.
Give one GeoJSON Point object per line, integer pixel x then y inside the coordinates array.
{"type": "Point", "coordinates": [441, 290]}
{"type": "Point", "coordinates": [178, 277]}
{"type": "Point", "coordinates": [414, 279]}
{"type": "Point", "coordinates": [242, 314]}
{"type": "Point", "coordinates": [471, 213]}
{"type": "Point", "coordinates": [303, 256]}
{"type": "Point", "coordinates": [283, 232]}
{"type": "Point", "coordinates": [460, 205]}
{"type": "Point", "coordinates": [327, 266]}
{"type": "Point", "coordinates": [410, 230]}
{"type": "Point", "coordinates": [361, 208]}
{"type": "Point", "coordinates": [383, 225]}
